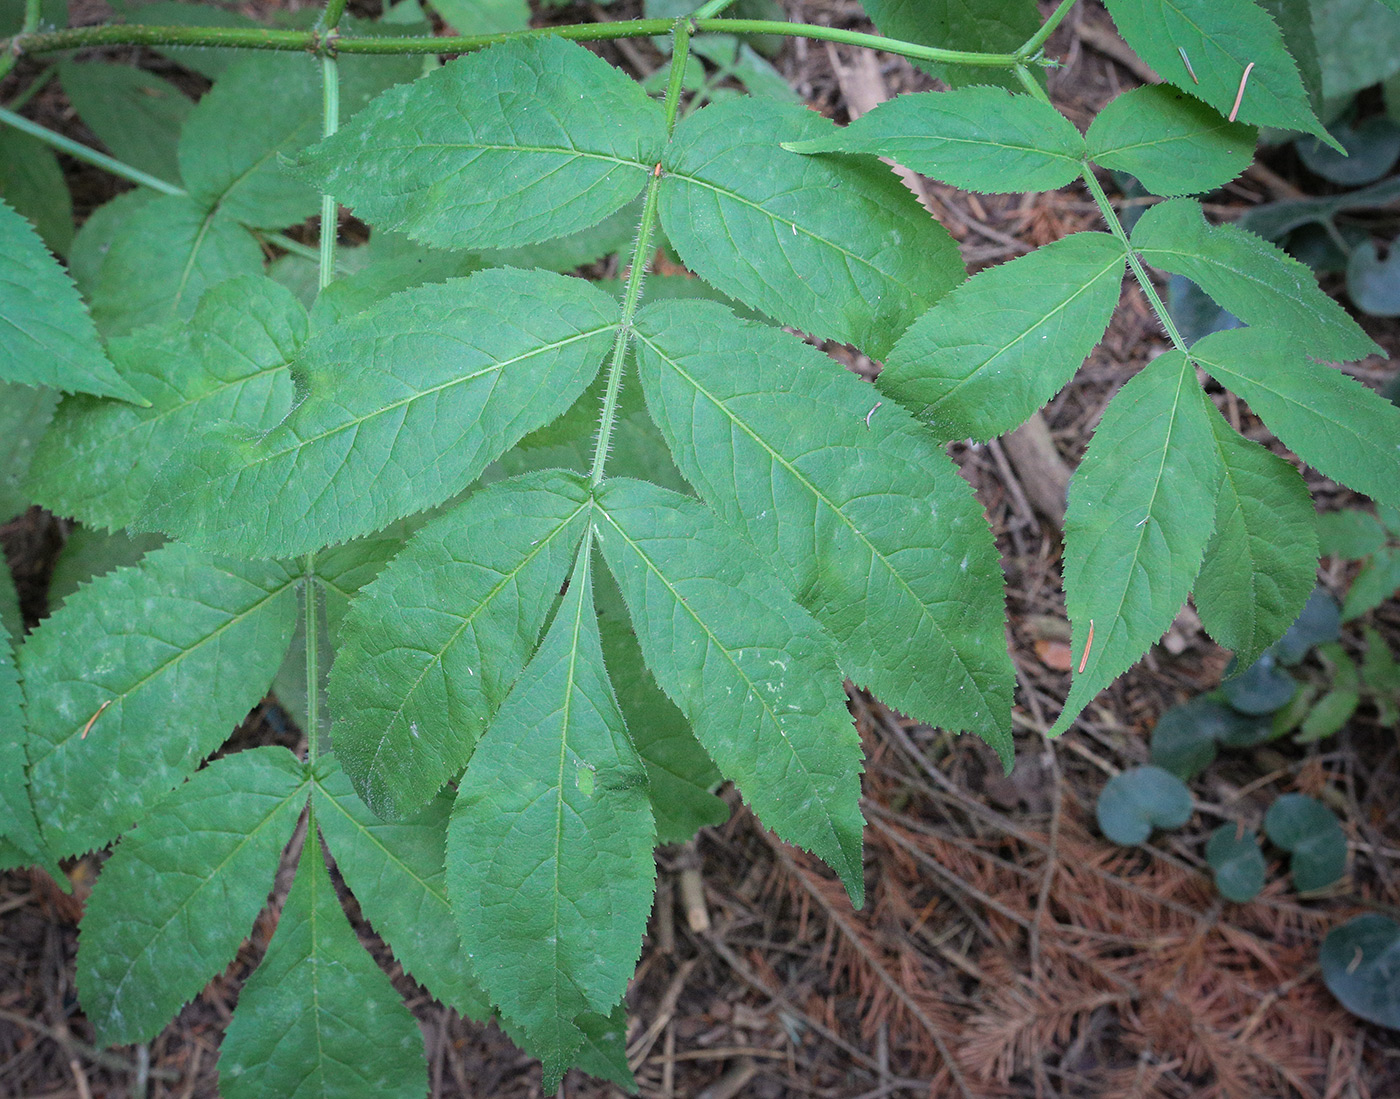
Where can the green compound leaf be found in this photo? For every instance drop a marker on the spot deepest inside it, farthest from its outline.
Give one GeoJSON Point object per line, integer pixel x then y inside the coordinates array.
{"type": "Point", "coordinates": [318, 1017]}
{"type": "Point", "coordinates": [398, 874]}
{"type": "Point", "coordinates": [1174, 144]}
{"type": "Point", "coordinates": [1136, 801]}
{"type": "Point", "coordinates": [162, 257]}
{"type": "Point", "coordinates": [836, 247]}
{"type": "Point", "coordinates": [1135, 530]}
{"type": "Point", "coordinates": [989, 26]}
{"type": "Point", "coordinates": [680, 773]}
{"type": "Point", "coordinates": [996, 348]}
{"type": "Point", "coordinates": [49, 338]}
{"type": "Point", "coordinates": [228, 363]}
{"type": "Point", "coordinates": [518, 143]}
{"type": "Point", "coordinates": [550, 843]}
{"type": "Point", "coordinates": [1313, 835]}
{"type": "Point", "coordinates": [869, 524]}
{"type": "Point", "coordinates": [980, 139]}
{"type": "Point", "coordinates": [407, 403]}
{"type": "Point", "coordinates": [1245, 274]}
{"type": "Point", "coordinates": [1261, 564]}
{"type": "Point", "coordinates": [755, 676]}
{"type": "Point", "coordinates": [179, 895]}
{"type": "Point", "coordinates": [136, 114]}
{"type": "Point", "coordinates": [1219, 40]}
{"type": "Point", "coordinates": [1359, 962]}
{"type": "Point", "coordinates": [1330, 420]}
{"type": "Point", "coordinates": [1236, 862]}
{"type": "Point", "coordinates": [162, 660]}
{"type": "Point", "coordinates": [431, 648]}
{"type": "Point", "coordinates": [25, 413]}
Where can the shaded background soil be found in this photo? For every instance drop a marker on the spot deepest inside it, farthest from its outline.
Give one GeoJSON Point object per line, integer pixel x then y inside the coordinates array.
{"type": "Point", "coordinates": [1006, 949]}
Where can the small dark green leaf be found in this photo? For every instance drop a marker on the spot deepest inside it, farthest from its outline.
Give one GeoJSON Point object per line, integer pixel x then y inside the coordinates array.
{"type": "Point", "coordinates": [430, 649]}
{"type": "Point", "coordinates": [525, 141]}
{"type": "Point", "coordinates": [1373, 284]}
{"type": "Point", "coordinates": [754, 674]}
{"type": "Point", "coordinates": [398, 873]}
{"type": "Point", "coordinates": [138, 677]}
{"type": "Point", "coordinates": [1254, 280]}
{"type": "Point", "coordinates": [1237, 863]}
{"type": "Point", "coordinates": [1360, 963]}
{"type": "Point", "coordinates": [89, 553]}
{"type": "Point", "coordinates": [1261, 563]}
{"type": "Point", "coordinates": [1318, 621]}
{"type": "Point", "coordinates": [49, 338]}
{"type": "Point", "coordinates": [1136, 801]}
{"type": "Point", "coordinates": [1358, 44]}
{"type": "Point", "coordinates": [318, 1018]}
{"type": "Point", "coordinates": [32, 182]}
{"type": "Point", "coordinates": [1330, 420]}
{"type": "Point", "coordinates": [1313, 835]}
{"type": "Point", "coordinates": [1332, 711]}
{"type": "Point", "coordinates": [406, 404]}
{"type": "Point", "coordinates": [179, 895]}
{"type": "Point", "coordinates": [1135, 531]}
{"type": "Point", "coordinates": [1174, 144]}
{"type": "Point", "coordinates": [1185, 737]}
{"type": "Point", "coordinates": [550, 843]}
{"type": "Point", "coordinates": [979, 139]}
{"type": "Point", "coordinates": [1371, 151]}
{"type": "Point", "coordinates": [1261, 688]}
{"type": "Point", "coordinates": [835, 246]}
{"type": "Point", "coordinates": [1219, 40]}
{"type": "Point", "coordinates": [996, 348]}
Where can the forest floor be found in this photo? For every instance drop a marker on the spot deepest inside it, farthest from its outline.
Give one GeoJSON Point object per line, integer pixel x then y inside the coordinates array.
{"type": "Point", "coordinates": [1006, 948]}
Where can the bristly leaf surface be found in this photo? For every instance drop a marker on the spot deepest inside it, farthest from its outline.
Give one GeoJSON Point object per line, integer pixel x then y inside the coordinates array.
{"type": "Point", "coordinates": [1261, 565]}
{"type": "Point", "coordinates": [999, 346]}
{"type": "Point", "coordinates": [550, 843]}
{"type": "Point", "coordinates": [49, 338]}
{"type": "Point", "coordinates": [156, 665]}
{"type": "Point", "coordinates": [978, 138]}
{"type": "Point", "coordinates": [522, 142]}
{"type": "Point", "coordinates": [318, 1018]}
{"type": "Point", "coordinates": [836, 247]}
{"type": "Point", "coordinates": [430, 649]}
{"type": "Point", "coordinates": [1255, 280]}
{"type": "Point", "coordinates": [180, 894]}
{"type": "Point", "coordinates": [1136, 527]}
{"type": "Point", "coordinates": [867, 522]}
{"type": "Point", "coordinates": [406, 404]}
{"type": "Point", "coordinates": [1327, 418]}
{"type": "Point", "coordinates": [754, 674]}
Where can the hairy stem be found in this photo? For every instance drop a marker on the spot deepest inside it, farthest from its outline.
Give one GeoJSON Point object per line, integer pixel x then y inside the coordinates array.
{"type": "Point", "coordinates": [258, 38]}
{"type": "Point", "coordinates": [1033, 44]}
{"type": "Point", "coordinates": [641, 252]}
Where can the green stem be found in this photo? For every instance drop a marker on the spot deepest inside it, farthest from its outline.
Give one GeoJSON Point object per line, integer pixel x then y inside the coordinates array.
{"type": "Point", "coordinates": [1139, 272]}
{"type": "Point", "coordinates": [330, 209]}
{"type": "Point", "coordinates": [1033, 44]}
{"type": "Point", "coordinates": [258, 38]}
{"type": "Point", "coordinates": [330, 16]}
{"type": "Point", "coordinates": [90, 156]}
{"type": "Point", "coordinates": [641, 252]}
{"type": "Point", "coordinates": [13, 48]}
